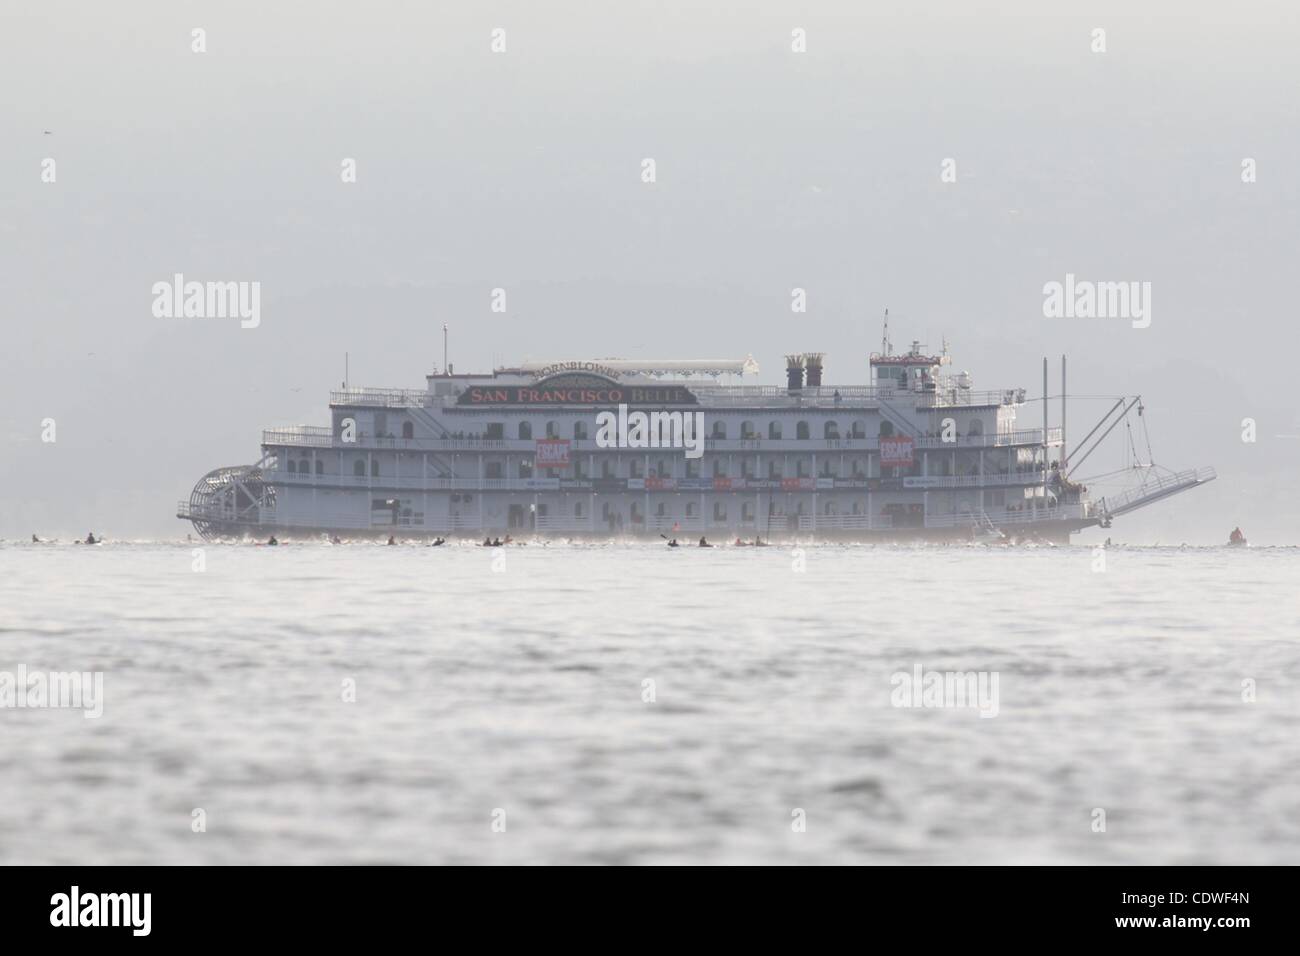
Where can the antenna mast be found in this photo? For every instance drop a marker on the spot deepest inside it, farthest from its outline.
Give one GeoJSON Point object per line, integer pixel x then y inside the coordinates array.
{"type": "Point", "coordinates": [885, 348]}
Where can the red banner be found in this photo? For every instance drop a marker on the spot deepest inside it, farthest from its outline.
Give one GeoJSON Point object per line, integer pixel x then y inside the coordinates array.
{"type": "Point", "coordinates": [895, 452]}
{"type": "Point", "coordinates": [552, 453]}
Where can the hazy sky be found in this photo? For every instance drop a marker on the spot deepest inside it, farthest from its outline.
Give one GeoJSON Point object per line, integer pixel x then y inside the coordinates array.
{"type": "Point", "coordinates": [522, 170]}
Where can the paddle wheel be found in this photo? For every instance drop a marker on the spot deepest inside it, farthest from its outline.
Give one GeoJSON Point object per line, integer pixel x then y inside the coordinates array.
{"type": "Point", "coordinates": [230, 500]}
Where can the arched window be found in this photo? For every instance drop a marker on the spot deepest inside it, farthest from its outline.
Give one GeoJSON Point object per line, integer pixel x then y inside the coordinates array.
{"type": "Point", "coordinates": [525, 430]}
{"type": "Point", "coordinates": [859, 429]}
{"type": "Point", "coordinates": [320, 467]}
{"type": "Point", "coordinates": [552, 430]}
{"type": "Point", "coordinates": [408, 430]}
{"type": "Point", "coordinates": [374, 467]}
{"type": "Point", "coordinates": [747, 430]}
{"type": "Point", "coordinates": [886, 430]}
{"type": "Point", "coordinates": [719, 429]}
{"type": "Point", "coordinates": [690, 509]}
{"type": "Point", "coordinates": [773, 430]}
{"type": "Point", "coordinates": [359, 468]}
{"type": "Point", "coordinates": [579, 431]}
{"type": "Point", "coordinates": [976, 427]}
{"type": "Point", "coordinates": [292, 467]}
{"type": "Point", "coordinates": [831, 430]}
{"type": "Point", "coordinates": [801, 431]}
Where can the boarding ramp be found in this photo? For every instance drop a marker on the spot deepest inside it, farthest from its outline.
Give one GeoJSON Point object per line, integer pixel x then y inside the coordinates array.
{"type": "Point", "coordinates": [1152, 490]}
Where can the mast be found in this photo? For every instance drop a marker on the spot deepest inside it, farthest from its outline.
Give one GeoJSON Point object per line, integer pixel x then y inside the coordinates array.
{"type": "Point", "coordinates": [1045, 445]}
{"type": "Point", "coordinates": [1063, 446]}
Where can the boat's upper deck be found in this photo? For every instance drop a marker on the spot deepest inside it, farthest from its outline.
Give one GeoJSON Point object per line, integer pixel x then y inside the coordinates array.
{"type": "Point", "coordinates": [725, 396]}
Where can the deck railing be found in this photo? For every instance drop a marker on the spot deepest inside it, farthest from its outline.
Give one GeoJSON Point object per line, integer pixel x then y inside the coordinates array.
{"type": "Point", "coordinates": [315, 436]}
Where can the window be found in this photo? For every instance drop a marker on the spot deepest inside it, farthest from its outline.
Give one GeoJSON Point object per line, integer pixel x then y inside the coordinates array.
{"type": "Point", "coordinates": [359, 468]}
{"type": "Point", "coordinates": [747, 430]}
{"type": "Point", "coordinates": [304, 467]}
{"type": "Point", "coordinates": [886, 430]}
{"type": "Point", "coordinates": [579, 431]}
{"type": "Point", "coordinates": [692, 468]}
{"type": "Point", "coordinates": [976, 427]}
{"type": "Point", "coordinates": [525, 468]}
{"type": "Point", "coordinates": [831, 430]}
{"type": "Point", "coordinates": [634, 468]}
{"type": "Point", "coordinates": [552, 430]}
{"type": "Point", "coordinates": [493, 469]}
{"type": "Point", "coordinates": [774, 430]}
{"type": "Point", "coordinates": [374, 468]}
{"type": "Point", "coordinates": [320, 467]}
{"type": "Point", "coordinates": [719, 468]}
{"type": "Point", "coordinates": [690, 509]}
{"type": "Point", "coordinates": [802, 467]}
{"type": "Point", "coordinates": [408, 430]}
{"type": "Point", "coordinates": [859, 429]}
{"type": "Point", "coordinates": [719, 429]}
{"type": "Point", "coordinates": [577, 509]}
{"type": "Point", "coordinates": [719, 511]}
{"type": "Point", "coordinates": [495, 431]}
{"type": "Point", "coordinates": [801, 431]}
{"type": "Point", "coordinates": [606, 468]}
{"type": "Point", "coordinates": [661, 509]}
{"type": "Point", "coordinates": [773, 469]}
{"type": "Point", "coordinates": [525, 431]}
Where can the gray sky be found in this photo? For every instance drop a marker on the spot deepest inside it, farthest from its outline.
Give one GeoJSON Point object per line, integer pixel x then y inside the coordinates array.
{"type": "Point", "coordinates": [521, 170]}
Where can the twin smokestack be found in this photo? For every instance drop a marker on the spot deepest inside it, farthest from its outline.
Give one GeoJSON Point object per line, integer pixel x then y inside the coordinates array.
{"type": "Point", "coordinates": [794, 369]}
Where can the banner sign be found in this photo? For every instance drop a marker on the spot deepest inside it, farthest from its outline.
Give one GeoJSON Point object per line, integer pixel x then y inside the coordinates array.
{"type": "Point", "coordinates": [552, 453]}
{"type": "Point", "coordinates": [895, 452]}
{"type": "Point", "coordinates": [576, 389]}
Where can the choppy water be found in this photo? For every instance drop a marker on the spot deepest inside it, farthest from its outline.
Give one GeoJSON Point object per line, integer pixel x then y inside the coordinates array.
{"type": "Point", "coordinates": [521, 690]}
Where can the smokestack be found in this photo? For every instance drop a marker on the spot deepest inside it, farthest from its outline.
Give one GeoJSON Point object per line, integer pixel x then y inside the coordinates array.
{"type": "Point", "coordinates": [814, 363]}
{"type": "Point", "coordinates": [794, 373]}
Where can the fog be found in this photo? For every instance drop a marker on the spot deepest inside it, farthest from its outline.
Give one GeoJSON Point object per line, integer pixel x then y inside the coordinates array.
{"type": "Point", "coordinates": [522, 170]}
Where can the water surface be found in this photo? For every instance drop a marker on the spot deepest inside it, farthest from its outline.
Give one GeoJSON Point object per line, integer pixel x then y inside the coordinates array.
{"type": "Point", "coordinates": [516, 692]}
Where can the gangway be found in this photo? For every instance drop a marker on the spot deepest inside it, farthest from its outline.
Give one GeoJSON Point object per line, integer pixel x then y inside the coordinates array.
{"type": "Point", "coordinates": [1112, 506]}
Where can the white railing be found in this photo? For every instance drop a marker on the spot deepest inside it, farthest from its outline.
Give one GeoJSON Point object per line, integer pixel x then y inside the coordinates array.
{"type": "Point", "coordinates": [988, 480]}
{"type": "Point", "coordinates": [1153, 489]}
{"type": "Point", "coordinates": [1000, 519]}
{"type": "Point", "coordinates": [381, 397]}
{"type": "Point", "coordinates": [951, 397]}
{"type": "Point", "coordinates": [842, 522]}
